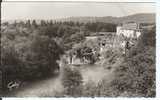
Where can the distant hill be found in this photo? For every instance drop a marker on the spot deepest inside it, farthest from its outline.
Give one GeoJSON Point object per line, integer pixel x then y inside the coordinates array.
{"type": "Point", "coordinates": [139, 18]}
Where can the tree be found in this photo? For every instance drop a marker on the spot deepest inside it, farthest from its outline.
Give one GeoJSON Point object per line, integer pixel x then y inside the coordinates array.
{"type": "Point", "coordinates": [21, 24]}
{"type": "Point", "coordinates": [51, 22]}
{"type": "Point", "coordinates": [50, 31]}
{"type": "Point", "coordinates": [43, 23]}
{"type": "Point", "coordinates": [5, 23]}
{"type": "Point", "coordinates": [28, 23]}
{"type": "Point", "coordinates": [46, 53]}
{"type": "Point", "coordinates": [34, 24]}
{"type": "Point", "coordinates": [77, 37]}
{"type": "Point", "coordinates": [15, 23]}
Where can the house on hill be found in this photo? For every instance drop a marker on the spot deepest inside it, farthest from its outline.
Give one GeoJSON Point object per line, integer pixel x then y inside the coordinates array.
{"type": "Point", "coordinates": [129, 30]}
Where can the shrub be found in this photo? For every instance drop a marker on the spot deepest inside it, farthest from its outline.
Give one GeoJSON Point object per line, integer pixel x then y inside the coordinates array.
{"type": "Point", "coordinates": [100, 89]}
{"type": "Point", "coordinates": [85, 50]}
{"type": "Point", "coordinates": [72, 82]}
{"type": "Point", "coordinates": [89, 89]}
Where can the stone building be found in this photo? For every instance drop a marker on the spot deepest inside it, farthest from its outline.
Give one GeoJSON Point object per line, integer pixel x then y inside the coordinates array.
{"type": "Point", "coordinates": [129, 30]}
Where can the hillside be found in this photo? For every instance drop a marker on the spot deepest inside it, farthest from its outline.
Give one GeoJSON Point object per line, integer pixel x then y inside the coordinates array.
{"type": "Point", "coordinates": [140, 18]}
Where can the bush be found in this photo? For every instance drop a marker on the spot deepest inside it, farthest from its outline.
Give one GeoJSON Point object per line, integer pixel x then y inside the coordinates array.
{"type": "Point", "coordinates": [72, 82]}
{"type": "Point", "coordinates": [92, 89]}
{"type": "Point", "coordinates": [100, 89]}
{"type": "Point", "coordinates": [88, 50]}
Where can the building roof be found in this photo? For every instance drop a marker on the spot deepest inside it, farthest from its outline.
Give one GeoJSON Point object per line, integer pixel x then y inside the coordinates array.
{"type": "Point", "coordinates": [147, 27]}
{"type": "Point", "coordinates": [102, 33]}
{"type": "Point", "coordinates": [130, 26]}
{"type": "Point", "coordinates": [106, 33]}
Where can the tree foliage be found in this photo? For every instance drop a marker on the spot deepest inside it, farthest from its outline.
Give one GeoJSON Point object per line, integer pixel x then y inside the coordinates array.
{"type": "Point", "coordinates": [136, 75]}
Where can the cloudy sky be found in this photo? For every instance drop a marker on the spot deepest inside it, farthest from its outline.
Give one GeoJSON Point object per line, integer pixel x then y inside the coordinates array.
{"type": "Point", "coordinates": [52, 10]}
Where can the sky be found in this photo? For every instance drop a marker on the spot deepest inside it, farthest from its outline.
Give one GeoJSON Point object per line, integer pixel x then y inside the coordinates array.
{"type": "Point", "coordinates": [55, 10]}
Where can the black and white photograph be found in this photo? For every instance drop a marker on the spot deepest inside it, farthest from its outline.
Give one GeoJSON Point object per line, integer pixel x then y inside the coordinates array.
{"type": "Point", "coordinates": [78, 49]}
